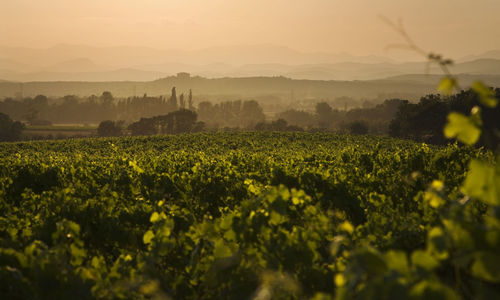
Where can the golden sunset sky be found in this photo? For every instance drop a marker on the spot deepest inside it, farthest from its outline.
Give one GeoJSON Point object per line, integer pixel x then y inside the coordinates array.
{"type": "Point", "coordinates": [453, 27]}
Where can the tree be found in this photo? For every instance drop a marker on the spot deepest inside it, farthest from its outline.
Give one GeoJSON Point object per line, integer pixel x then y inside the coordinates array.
{"type": "Point", "coordinates": [251, 113]}
{"type": "Point", "coordinates": [277, 125]}
{"type": "Point", "coordinates": [173, 99]}
{"type": "Point", "coordinates": [107, 98]}
{"type": "Point", "coordinates": [9, 130]}
{"type": "Point", "coordinates": [182, 102]}
{"type": "Point", "coordinates": [297, 118]}
{"type": "Point", "coordinates": [110, 128]}
{"type": "Point", "coordinates": [358, 127]}
{"type": "Point", "coordinates": [190, 101]}
{"type": "Point", "coordinates": [182, 121]}
{"type": "Point", "coordinates": [145, 126]}
{"type": "Point", "coordinates": [324, 114]}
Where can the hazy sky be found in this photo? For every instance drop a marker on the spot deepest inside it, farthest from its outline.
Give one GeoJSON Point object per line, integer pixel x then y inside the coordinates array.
{"type": "Point", "coordinates": [453, 27]}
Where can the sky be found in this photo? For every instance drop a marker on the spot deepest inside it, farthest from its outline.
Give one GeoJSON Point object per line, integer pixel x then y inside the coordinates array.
{"type": "Point", "coordinates": [452, 27]}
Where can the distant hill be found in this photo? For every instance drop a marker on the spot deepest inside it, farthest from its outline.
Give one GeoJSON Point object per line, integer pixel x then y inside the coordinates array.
{"type": "Point", "coordinates": [115, 75]}
{"type": "Point", "coordinates": [83, 63]}
{"type": "Point", "coordinates": [494, 54]}
{"type": "Point", "coordinates": [478, 66]}
{"type": "Point", "coordinates": [234, 88]}
{"type": "Point", "coordinates": [126, 57]}
{"type": "Point", "coordinates": [465, 80]}
{"type": "Point", "coordinates": [77, 65]}
{"type": "Point", "coordinates": [84, 69]}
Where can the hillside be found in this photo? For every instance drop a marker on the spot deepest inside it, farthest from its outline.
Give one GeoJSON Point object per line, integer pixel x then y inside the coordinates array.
{"type": "Point", "coordinates": [285, 89]}
{"type": "Point", "coordinates": [85, 63]}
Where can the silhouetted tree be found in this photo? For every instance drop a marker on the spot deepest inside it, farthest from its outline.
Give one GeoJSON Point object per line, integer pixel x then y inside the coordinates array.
{"type": "Point", "coordinates": [110, 128]}
{"type": "Point", "coordinates": [190, 100]}
{"type": "Point", "coordinates": [107, 99]}
{"type": "Point", "coordinates": [180, 121]}
{"type": "Point", "coordinates": [183, 121]}
{"type": "Point", "coordinates": [9, 130]}
{"type": "Point", "coordinates": [277, 125]}
{"type": "Point", "coordinates": [198, 126]}
{"type": "Point", "coordinates": [424, 121]}
{"type": "Point", "coordinates": [145, 126]}
{"type": "Point", "coordinates": [358, 127]}
{"type": "Point", "coordinates": [298, 118]}
{"type": "Point", "coordinates": [324, 114]}
{"type": "Point", "coordinates": [182, 102]}
{"type": "Point", "coordinates": [173, 99]}
{"type": "Point", "coordinates": [251, 113]}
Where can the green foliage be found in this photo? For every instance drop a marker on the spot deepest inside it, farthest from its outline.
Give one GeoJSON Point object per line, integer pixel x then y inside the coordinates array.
{"type": "Point", "coordinates": [486, 95]}
{"type": "Point", "coordinates": [464, 128]}
{"type": "Point", "coordinates": [110, 128]}
{"type": "Point", "coordinates": [468, 116]}
{"type": "Point", "coordinates": [447, 85]}
{"type": "Point", "coordinates": [9, 130]}
{"type": "Point", "coordinates": [247, 215]}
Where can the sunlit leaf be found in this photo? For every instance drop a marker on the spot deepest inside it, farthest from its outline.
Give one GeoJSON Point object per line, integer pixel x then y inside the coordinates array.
{"type": "Point", "coordinates": [346, 226]}
{"type": "Point", "coordinates": [397, 260]}
{"type": "Point", "coordinates": [487, 266]}
{"type": "Point", "coordinates": [155, 217]}
{"type": "Point", "coordinates": [447, 85]}
{"type": "Point", "coordinates": [424, 260]}
{"type": "Point", "coordinates": [148, 236]}
{"type": "Point", "coordinates": [462, 127]}
{"type": "Point", "coordinates": [483, 183]}
{"type": "Point", "coordinates": [221, 250]}
{"type": "Point", "coordinates": [432, 290]}
{"type": "Point", "coordinates": [486, 95]}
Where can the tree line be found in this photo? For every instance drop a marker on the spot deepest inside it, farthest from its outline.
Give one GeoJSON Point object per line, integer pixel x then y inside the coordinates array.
{"type": "Point", "coordinates": [72, 109]}
{"type": "Point", "coordinates": [421, 121]}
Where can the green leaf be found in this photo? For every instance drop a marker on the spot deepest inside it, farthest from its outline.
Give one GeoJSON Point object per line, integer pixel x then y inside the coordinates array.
{"type": "Point", "coordinates": [460, 236]}
{"type": "Point", "coordinates": [221, 250]}
{"type": "Point", "coordinates": [155, 217]}
{"type": "Point", "coordinates": [462, 127]}
{"type": "Point", "coordinates": [447, 85]}
{"type": "Point", "coordinates": [437, 244]}
{"type": "Point", "coordinates": [148, 236]}
{"type": "Point", "coordinates": [432, 290]}
{"type": "Point", "coordinates": [483, 183]}
{"type": "Point", "coordinates": [77, 254]}
{"type": "Point", "coordinates": [346, 226]}
{"type": "Point", "coordinates": [424, 260]}
{"type": "Point", "coordinates": [276, 218]}
{"type": "Point", "coordinates": [397, 260]}
{"type": "Point", "coordinates": [227, 222]}
{"type": "Point", "coordinates": [486, 95]}
{"type": "Point", "coordinates": [372, 261]}
{"type": "Point", "coordinates": [135, 167]}
{"type": "Point", "coordinates": [487, 266]}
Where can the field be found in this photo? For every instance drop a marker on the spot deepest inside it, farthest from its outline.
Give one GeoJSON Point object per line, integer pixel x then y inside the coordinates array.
{"type": "Point", "coordinates": [243, 216]}
{"type": "Point", "coordinates": [58, 131]}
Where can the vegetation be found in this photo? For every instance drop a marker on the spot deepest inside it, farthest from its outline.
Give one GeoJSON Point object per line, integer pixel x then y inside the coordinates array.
{"type": "Point", "coordinates": [9, 130]}
{"type": "Point", "coordinates": [110, 128]}
{"type": "Point", "coordinates": [243, 215]}
{"type": "Point", "coordinates": [180, 121]}
{"type": "Point", "coordinates": [424, 121]}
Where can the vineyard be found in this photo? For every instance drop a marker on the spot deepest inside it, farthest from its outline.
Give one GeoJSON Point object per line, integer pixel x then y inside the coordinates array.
{"type": "Point", "coordinates": [248, 216]}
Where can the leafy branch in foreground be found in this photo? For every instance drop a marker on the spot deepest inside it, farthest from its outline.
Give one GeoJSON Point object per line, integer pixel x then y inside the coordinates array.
{"type": "Point", "coordinates": [461, 256]}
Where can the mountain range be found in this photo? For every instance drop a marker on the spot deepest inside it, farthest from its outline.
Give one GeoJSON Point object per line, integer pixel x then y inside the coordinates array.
{"type": "Point", "coordinates": [85, 63]}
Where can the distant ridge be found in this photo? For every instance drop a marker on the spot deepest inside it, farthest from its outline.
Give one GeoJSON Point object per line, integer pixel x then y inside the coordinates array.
{"type": "Point", "coordinates": [410, 87]}
{"type": "Point", "coordinates": [87, 70]}
{"type": "Point", "coordinates": [65, 62]}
